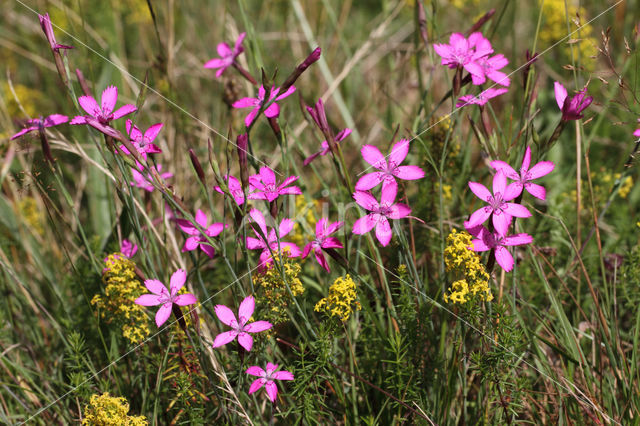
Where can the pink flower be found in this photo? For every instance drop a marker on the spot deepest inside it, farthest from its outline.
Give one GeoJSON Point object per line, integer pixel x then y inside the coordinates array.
{"type": "Point", "coordinates": [45, 23]}
{"type": "Point", "coordinates": [272, 110]}
{"type": "Point", "coordinates": [390, 170]}
{"type": "Point", "coordinates": [241, 326]}
{"type": "Point", "coordinates": [35, 123]}
{"type": "Point", "coordinates": [272, 242]}
{"type": "Point", "coordinates": [166, 298]}
{"type": "Point", "coordinates": [266, 188]}
{"type": "Point", "coordinates": [128, 248]}
{"type": "Point", "coordinates": [380, 213]}
{"type": "Point", "coordinates": [481, 99]}
{"type": "Point", "coordinates": [463, 52]}
{"type": "Point", "coordinates": [571, 107]}
{"type": "Point", "coordinates": [325, 146]}
{"type": "Point", "coordinates": [227, 56]}
{"type": "Point", "coordinates": [235, 188]}
{"type": "Point", "coordinates": [146, 181]}
{"type": "Point", "coordinates": [499, 209]}
{"type": "Point", "coordinates": [266, 379]}
{"type": "Point", "coordinates": [196, 237]}
{"type": "Point", "coordinates": [490, 67]}
{"type": "Point", "coordinates": [322, 241]}
{"type": "Point", "coordinates": [498, 241]}
{"type": "Point", "coordinates": [143, 143]}
{"type": "Point", "coordinates": [522, 179]}
{"type": "Point", "coordinates": [637, 132]}
{"type": "Point", "coordinates": [104, 113]}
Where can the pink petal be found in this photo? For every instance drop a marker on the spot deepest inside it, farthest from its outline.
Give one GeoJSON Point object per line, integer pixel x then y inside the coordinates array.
{"type": "Point", "coordinates": [177, 281]}
{"type": "Point", "coordinates": [224, 338]}
{"type": "Point", "coordinates": [398, 211]}
{"type": "Point", "coordinates": [501, 222]}
{"type": "Point", "coordinates": [245, 310]}
{"type": "Point", "coordinates": [191, 243]}
{"type": "Point", "coordinates": [253, 243]}
{"type": "Point", "coordinates": [370, 180]}
{"type": "Point", "coordinates": [505, 168]}
{"type": "Point", "coordinates": [78, 119]}
{"type": "Point", "coordinates": [163, 314]}
{"type": "Point", "coordinates": [258, 326]}
{"type": "Point", "coordinates": [185, 299]}
{"type": "Point", "coordinates": [504, 258]}
{"type": "Point", "coordinates": [479, 245]}
{"type": "Point", "coordinates": [23, 131]}
{"type": "Point", "coordinates": [561, 94]}
{"type": "Point", "coordinates": [364, 224]}
{"type": "Point", "coordinates": [148, 300]}
{"type": "Point", "coordinates": [208, 250]}
{"type": "Point", "coordinates": [201, 218]}
{"type": "Point", "coordinates": [215, 229]}
{"type": "Point", "coordinates": [285, 227]}
{"type": "Point", "coordinates": [258, 218]}
{"type": "Point", "coordinates": [187, 227]}
{"type": "Point", "coordinates": [155, 286]}
{"type": "Point", "coordinates": [282, 375]}
{"type": "Point", "coordinates": [289, 91]}
{"type": "Point", "coordinates": [272, 390]}
{"type": "Point", "coordinates": [332, 242]}
{"type": "Point", "coordinates": [224, 50]}
{"type": "Point", "coordinates": [252, 116]}
{"type": "Point", "coordinates": [478, 217]}
{"type": "Point", "coordinates": [256, 371]}
{"type": "Point", "coordinates": [268, 176]}
{"type": "Point", "coordinates": [517, 240]}
{"type": "Point", "coordinates": [322, 260]}
{"type": "Point", "coordinates": [294, 250]}
{"type": "Point", "coordinates": [124, 110]}
{"type": "Point", "coordinates": [334, 227]}
{"type": "Point", "coordinates": [246, 341]}
{"type": "Point", "coordinates": [225, 315]}
{"type": "Point", "coordinates": [399, 151]}
{"type": "Point", "coordinates": [257, 383]}
{"type": "Point", "coordinates": [480, 191]}
{"type": "Point", "coordinates": [499, 182]}
{"type": "Point", "coordinates": [272, 110]}
{"type": "Point", "coordinates": [537, 191]}
{"type": "Point", "coordinates": [321, 226]}
{"type": "Point", "coordinates": [516, 210]}
{"type": "Point", "coordinates": [55, 119]}
{"type": "Point", "coordinates": [245, 103]}
{"type": "Point", "coordinates": [513, 190]}
{"type": "Point", "coordinates": [526, 160]}
{"type": "Point", "coordinates": [409, 172]}
{"type": "Point", "coordinates": [307, 250]}
{"type": "Point", "coordinates": [292, 190]}
{"type": "Point", "coordinates": [89, 104]}
{"type": "Point", "coordinates": [152, 132]}
{"type": "Point", "coordinates": [543, 168]}
{"type": "Point", "coordinates": [215, 63]}
{"type": "Point", "coordinates": [108, 100]}
{"type": "Point", "coordinates": [373, 156]}
{"type": "Point", "coordinates": [388, 193]}
{"type": "Point", "coordinates": [383, 231]}
{"type": "Point", "coordinates": [365, 200]}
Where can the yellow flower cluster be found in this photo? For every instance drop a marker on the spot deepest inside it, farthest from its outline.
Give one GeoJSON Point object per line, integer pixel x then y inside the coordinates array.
{"type": "Point", "coordinates": [305, 211]}
{"type": "Point", "coordinates": [105, 410]}
{"type": "Point", "coordinates": [271, 287]}
{"type": "Point", "coordinates": [625, 187]}
{"type": "Point", "coordinates": [29, 212]}
{"type": "Point", "coordinates": [556, 29]}
{"type": "Point", "coordinates": [471, 278]}
{"type": "Point", "coordinates": [342, 299]}
{"type": "Point", "coordinates": [27, 97]}
{"type": "Point", "coordinates": [117, 304]}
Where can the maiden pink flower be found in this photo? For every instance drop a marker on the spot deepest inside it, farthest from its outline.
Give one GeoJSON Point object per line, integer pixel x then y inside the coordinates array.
{"type": "Point", "coordinates": [266, 379]}
{"type": "Point", "coordinates": [380, 213]}
{"type": "Point", "coordinates": [325, 146]}
{"type": "Point", "coordinates": [196, 238]}
{"type": "Point", "coordinates": [35, 123]}
{"type": "Point", "coordinates": [499, 241]}
{"type": "Point", "coordinates": [166, 298]}
{"type": "Point", "coordinates": [227, 56]}
{"type": "Point", "coordinates": [146, 181]}
{"type": "Point", "coordinates": [128, 248]}
{"type": "Point", "coordinates": [526, 175]}
{"type": "Point", "coordinates": [322, 241]}
{"type": "Point", "coordinates": [460, 53]}
{"type": "Point", "coordinates": [143, 143]}
{"type": "Point", "coordinates": [45, 23]}
{"type": "Point", "coordinates": [104, 113]}
{"type": "Point", "coordinates": [272, 242]}
{"type": "Point", "coordinates": [241, 326]}
{"type": "Point", "coordinates": [272, 110]}
{"type": "Point", "coordinates": [571, 107]}
{"type": "Point", "coordinates": [235, 188]}
{"type": "Point", "coordinates": [266, 187]}
{"type": "Point", "coordinates": [490, 67]}
{"type": "Point", "coordinates": [390, 170]}
{"type": "Point", "coordinates": [481, 99]}
{"type": "Point", "coordinates": [499, 208]}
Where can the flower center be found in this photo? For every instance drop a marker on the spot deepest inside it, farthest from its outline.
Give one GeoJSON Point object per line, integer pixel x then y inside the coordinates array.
{"type": "Point", "coordinates": [496, 203]}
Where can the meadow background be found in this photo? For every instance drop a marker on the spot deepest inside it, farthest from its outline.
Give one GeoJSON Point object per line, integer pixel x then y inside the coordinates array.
{"type": "Point", "coordinates": [557, 344]}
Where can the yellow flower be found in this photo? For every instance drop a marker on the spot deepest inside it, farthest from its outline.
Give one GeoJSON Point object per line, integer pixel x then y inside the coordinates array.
{"type": "Point", "coordinates": [105, 410]}
{"type": "Point", "coordinates": [342, 299]}
{"type": "Point", "coordinates": [471, 278]}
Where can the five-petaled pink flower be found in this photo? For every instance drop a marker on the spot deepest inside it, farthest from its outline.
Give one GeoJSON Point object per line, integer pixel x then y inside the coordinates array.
{"type": "Point", "coordinates": [227, 56]}
{"type": "Point", "coordinates": [241, 326]}
{"type": "Point", "coordinates": [526, 175]}
{"type": "Point", "coordinates": [266, 187]}
{"type": "Point", "coordinates": [272, 110]}
{"type": "Point", "coordinates": [272, 242]}
{"type": "Point", "coordinates": [196, 237]}
{"type": "Point", "coordinates": [571, 107]}
{"type": "Point", "coordinates": [35, 123]}
{"type": "Point", "coordinates": [266, 379]}
{"type": "Point", "coordinates": [325, 146]}
{"type": "Point", "coordinates": [146, 181]}
{"type": "Point", "coordinates": [499, 208]}
{"type": "Point", "coordinates": [143, 143]}
{"type": "Point", "coordinates": [235, 189]}
{"type": "Point", "coordinates": [490, 67]}
{"type": "Point", "coordinates": [166, 298]}
{"type": "Point", "coordinates": [104, 113]}
{"type": "Point", "coordinates": [463, 52]}
{"type": "Point", "coordinates": [389, 170]}
{"type": "Point", "coordinates": [128, 248]}
{"type": "Point", "coordinates": [380, 213]}
{"type": "Point", "coordinates": [481, 99]}
{"type": "Point", "coordinates": [498, 241]}
{"type": "Point", "coordinates": [323, 241]}
{"type": "Point", "coordinates": [45, 23]}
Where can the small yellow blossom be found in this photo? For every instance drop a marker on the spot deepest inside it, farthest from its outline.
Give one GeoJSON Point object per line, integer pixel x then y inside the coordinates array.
{"type": "Point", "coordinates": [342, 299]}
{"type": "Point", "coordinates": [271, 287]}
{"type": "Point", "coordinates": [471, 278]}
{"type": "Point", "coordinates": [625, 187]}
{"type": "Point", "coordinates": [105, 410]}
